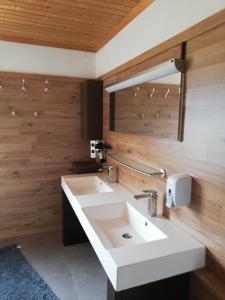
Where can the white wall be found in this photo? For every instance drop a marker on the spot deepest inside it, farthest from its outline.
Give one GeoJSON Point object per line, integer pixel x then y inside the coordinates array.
{"type": "Point", "coordinates": [160, 21]}
{"type": "Point", "coordinates": [157, 23]}
{"type": "Point", "coordinates": [15, 57]}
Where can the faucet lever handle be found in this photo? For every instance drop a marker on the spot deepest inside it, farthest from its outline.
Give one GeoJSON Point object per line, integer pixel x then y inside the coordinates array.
{"type": "Point", "coordinates": [152, 193]}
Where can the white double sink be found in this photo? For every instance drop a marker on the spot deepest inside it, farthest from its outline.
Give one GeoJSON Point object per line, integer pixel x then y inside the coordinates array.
{"type": "Point", "coordinates": [133, 248]}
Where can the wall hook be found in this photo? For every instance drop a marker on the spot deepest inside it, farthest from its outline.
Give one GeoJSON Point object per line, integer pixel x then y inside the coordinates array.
{"type": "Point", "coordinates": [152, 92]}
{"type": "Point", "coordinates": [156, 115]}
{"type": "Point", "coordinates": [13, 113]}
{"type": "Point", "coordinates": [179, 93]}
{"type": "Point", "coordinates": [167, 94]}
{"type": "Point", "coordinates": [136, 92]}
{"type": "Point", "coordinates": [140, 116]}
{"type": "Point", "coordinates": [24, 86]}
{"type": "Point", "coordinates": [36, 114]}
{"type": "Point", "coordinates": [46, 89]}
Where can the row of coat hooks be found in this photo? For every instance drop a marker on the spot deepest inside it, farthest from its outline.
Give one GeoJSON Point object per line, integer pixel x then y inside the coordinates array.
{"type": "Point", "coordinates": [24, 89]}
{"type": "Point", "coordinates": [153, 91]}
{"type": "Point", "coordinates": [36, 114]}
{"type": "Point", "coordinates": [156, 115]}
{"type": "Point", "coordinates": [24, 86]}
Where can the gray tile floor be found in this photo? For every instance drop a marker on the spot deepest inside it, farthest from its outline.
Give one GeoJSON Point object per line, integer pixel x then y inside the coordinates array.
{"type": "Point", "coordinates": [72, 272]}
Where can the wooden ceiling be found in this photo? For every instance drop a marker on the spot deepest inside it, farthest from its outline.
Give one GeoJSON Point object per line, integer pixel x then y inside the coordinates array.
{"type": "Point", "coordinates": [85, 25]}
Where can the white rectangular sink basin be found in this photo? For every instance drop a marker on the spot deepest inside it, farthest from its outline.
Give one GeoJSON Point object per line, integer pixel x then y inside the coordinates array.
{"type": "Point", "coordinates": [87, 185]}
{"type": "Point", "coordinates": [120, 224]}
{"type": "Point", "coordinates": [133, 249]}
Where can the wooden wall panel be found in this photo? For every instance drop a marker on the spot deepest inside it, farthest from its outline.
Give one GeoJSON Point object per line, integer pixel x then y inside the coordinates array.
{"type": "Point", "coordinates": [35, 152]}
{"type": "Point", "coordinates": [201, 154]}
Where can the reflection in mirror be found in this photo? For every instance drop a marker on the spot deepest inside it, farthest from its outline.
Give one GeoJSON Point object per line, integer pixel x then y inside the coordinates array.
{"type": "Point", "coordinates": [151, 108]}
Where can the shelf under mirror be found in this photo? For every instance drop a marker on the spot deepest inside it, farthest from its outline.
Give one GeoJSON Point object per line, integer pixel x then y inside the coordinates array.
{"type": "Point", "coordinates": [135, 166]}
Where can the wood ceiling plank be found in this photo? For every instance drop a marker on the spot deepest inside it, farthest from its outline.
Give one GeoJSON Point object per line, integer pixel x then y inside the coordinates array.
{"type": "Point", "coordinates": [41, 33]}
{"type": "Point", "coordinates": [120, 5]}
{"type": "Point", "coordinates": [32, 6]}
{"type": "Point", "coordinates": [67, 28]}
{"type": "Point", "coordinates": [87, 8]}
{"type": "Point", "coordinates": [59, 9]}
{"type": "Point", "coordinates": [93, 16]}
{"type": "Point", "coordinates": [52, 19]}
{"type": "Point", "coordinates": [70, 17]}
{"type": "Point", "coordinates": [73, 24]}
{"type": "Point", "coordinates": [73, 30]}
{"type": "Point", "coordinates": [93, 5]}
{"type": "Point", "coordinates": [130, 3]}
{"type": "Point", "coordinates": [56, 36]}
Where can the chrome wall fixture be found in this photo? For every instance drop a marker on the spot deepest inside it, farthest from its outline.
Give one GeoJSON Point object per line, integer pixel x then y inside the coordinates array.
{"type": "Point", "coordinates": [135, 166]}
{"type": "Point", "coordinates": [156, 115]}
{"type": "Point", "coordinates": [167, 94]}
{"type": "Point", "coordinates": [46, 89]}
{"type": "Point", "coordinates": [24, 86]}
{"type": "Point", "coordinates": [13, 114]}
{"type": "Point", "coordinates": [36, 114]}
{"type": "Point", "coordinates": [140, 116]}
{"type": "Point", "coordinates": [136, 92]}
{"type": "Point", "coordinates": [152, 92]}
{"type": "Point", "coordinates": [168, 68]}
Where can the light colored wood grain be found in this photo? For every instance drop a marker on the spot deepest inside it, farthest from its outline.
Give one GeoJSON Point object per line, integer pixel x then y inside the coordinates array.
{"type": "Point", "coordinates": [201, 153]}
{"type": "Point", "coordinates": [35, 152]}
{"type": "Point", "coordinates": [81, 25]}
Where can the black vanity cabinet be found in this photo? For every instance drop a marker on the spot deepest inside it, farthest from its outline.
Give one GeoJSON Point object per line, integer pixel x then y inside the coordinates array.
{"type": "Point", "coordinates": [92, 109]}
{"type": "Point", "coordinates": [174, 288]}
{"type": "Point", "coordinates": [73, 232]}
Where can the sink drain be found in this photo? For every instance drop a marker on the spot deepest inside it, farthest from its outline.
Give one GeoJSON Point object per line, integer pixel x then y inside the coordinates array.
{"type": "Point", "coordinates": [127, 235]}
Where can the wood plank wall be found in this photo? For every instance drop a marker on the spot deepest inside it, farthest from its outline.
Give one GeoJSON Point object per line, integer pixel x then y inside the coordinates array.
{"type": "Point", "coordinates": [35, 152]}
{"type": "Point", "coordinates": [201, 154]}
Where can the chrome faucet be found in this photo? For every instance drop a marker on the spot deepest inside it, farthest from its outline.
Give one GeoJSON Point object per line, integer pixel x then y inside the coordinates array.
{"type": "Point", "coordinates": [151, 196]}
{"type": "Point", "coordinates": [111, 171]}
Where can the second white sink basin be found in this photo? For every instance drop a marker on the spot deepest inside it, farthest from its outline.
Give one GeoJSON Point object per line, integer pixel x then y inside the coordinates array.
{"type": "Point", "coordinates": [120, 224]}
{"type": "Point", "coordinates": [87, 185]}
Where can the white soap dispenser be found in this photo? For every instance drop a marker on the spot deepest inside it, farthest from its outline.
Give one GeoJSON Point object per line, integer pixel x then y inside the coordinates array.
{"type": "Point", "coordinates": [178, 190]}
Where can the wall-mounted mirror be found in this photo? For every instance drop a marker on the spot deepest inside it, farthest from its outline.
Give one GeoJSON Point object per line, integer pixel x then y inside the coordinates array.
{"type": "Point", "coordinates": [154, 107]}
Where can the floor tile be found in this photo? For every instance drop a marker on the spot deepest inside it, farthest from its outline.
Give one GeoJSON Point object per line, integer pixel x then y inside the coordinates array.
{"type": "Point", "coordinates": [72, 272]}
